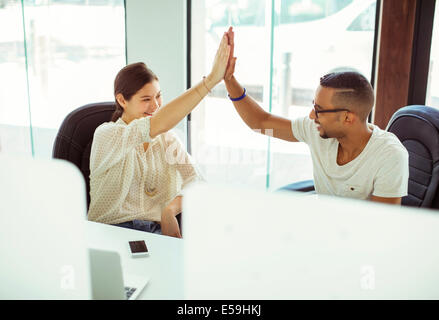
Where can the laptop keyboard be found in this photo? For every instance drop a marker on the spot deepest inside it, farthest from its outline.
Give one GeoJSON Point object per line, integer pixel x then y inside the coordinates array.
{"type": "Point", "coordinates": [129, 291]}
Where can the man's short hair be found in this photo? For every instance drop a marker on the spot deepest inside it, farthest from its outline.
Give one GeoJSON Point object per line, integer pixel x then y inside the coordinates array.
{"type": "Point", "coordinates": [352, 91]}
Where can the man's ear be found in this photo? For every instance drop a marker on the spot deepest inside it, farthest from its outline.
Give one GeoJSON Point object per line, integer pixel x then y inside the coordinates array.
{"type": "Point", "coordinates": [121, 100]}
{"type": "Point", "coordinates": [350, 117]}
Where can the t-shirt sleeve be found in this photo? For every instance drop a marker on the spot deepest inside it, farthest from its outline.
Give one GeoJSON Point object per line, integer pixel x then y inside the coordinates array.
{"type": "Point", "coordinates": [392, 177]}
{"type": "Point", "coordinates": [302, 129]}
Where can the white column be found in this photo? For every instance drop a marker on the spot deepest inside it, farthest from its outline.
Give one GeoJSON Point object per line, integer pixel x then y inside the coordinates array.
{"type": "Point", "coordinates": [156, 35]}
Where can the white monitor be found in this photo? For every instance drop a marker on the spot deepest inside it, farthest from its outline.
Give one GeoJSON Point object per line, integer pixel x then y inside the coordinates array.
{"type": "Point", "coordinates": [42, 239]}
{"type": "Point", "coordinates": [247, 244]}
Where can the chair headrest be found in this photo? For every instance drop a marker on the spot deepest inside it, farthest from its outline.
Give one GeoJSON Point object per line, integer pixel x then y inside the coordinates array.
{"type": "Point", "coordinates": [417, 123]}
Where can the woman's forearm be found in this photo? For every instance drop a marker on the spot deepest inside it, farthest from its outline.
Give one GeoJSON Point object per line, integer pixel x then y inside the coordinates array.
{"type": "Point", "coordinates": [168, 116]}
{"type": "Point", "coordinates": [168, 220]}
{"type": "Point", "coordinates": [172, 113]}
{"type": "Point", "coordinates": [174, 207]}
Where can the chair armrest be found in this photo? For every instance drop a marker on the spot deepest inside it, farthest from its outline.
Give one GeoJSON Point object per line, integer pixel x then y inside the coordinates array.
{"type": "Point", "coordinates": [304, 186]}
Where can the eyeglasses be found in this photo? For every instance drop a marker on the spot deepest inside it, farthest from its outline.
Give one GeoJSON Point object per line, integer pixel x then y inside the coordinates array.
{"type": "Point", "coordinates": [324, 111]}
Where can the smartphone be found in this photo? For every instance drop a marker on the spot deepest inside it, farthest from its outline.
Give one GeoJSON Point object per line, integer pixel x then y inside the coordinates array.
{"type": "Point", "coordinates": [138, 248]}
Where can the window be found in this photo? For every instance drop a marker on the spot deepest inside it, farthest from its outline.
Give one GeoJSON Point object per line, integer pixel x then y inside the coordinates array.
{"type": "Point", "coordinates": [14, 111]}
{"type": "Point", "coordinates": [365, 21]}
{"type": "Point", "coordinates": [432, 98]}
{"type": "Point", "coordinates": [72, 50]}
{"type": "Point", "coordinates": [298, 11]}
{"type": "Point", "coordinates": [280, 62]}
{"type": "Point", "coordinates": [303, 52]}
{"type": "Point", "coordinates": [224, 148]}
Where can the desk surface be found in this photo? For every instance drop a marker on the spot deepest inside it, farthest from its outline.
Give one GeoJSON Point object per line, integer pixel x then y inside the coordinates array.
{"type": "Point", "coordinates": [163, 266]}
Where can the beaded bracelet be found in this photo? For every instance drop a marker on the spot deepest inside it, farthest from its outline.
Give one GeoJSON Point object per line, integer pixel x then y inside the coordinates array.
{"type": "Point", "coordinates": [239, 98]}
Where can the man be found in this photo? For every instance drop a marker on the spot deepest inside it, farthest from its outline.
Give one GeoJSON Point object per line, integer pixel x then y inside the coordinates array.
{"type": "Point", "coordinates": [351, 158]}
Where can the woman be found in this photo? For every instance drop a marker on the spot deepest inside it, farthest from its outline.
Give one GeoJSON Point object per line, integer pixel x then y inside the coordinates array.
{"type": "Point", "coordinates": [135, 175]}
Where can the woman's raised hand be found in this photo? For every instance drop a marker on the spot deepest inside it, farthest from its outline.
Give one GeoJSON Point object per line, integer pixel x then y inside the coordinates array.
{"type": "Point", "coordinates": [173, 112]}
{"type": "Point", "coordinates": [220, 62]}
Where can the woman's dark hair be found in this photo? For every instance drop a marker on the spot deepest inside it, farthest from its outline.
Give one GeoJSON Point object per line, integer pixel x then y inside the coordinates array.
{"type": "Point", "coordinates": [129, 80]}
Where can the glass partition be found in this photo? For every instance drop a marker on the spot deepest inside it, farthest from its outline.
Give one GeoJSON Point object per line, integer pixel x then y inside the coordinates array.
{"type": "Point", "coordinates": [75, 49]}
{"type": "Point", "coordinates": [226, 150]}
{"type": "Point", "coordinates": [311, 39]}
{"type": "Point", "coordinates": [15, 134]}
{"type": "Point", "coordinates": [72, 51]}
{"type": "Point", "coordinates": [283, 48]}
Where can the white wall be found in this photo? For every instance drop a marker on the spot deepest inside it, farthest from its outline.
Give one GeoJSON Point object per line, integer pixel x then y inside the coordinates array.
{"type": "Point", "coordinates": [156, 35]}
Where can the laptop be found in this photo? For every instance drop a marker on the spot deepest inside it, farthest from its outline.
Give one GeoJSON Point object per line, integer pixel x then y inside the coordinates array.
{"type": "Point", "coordinates": [42, 237]}
{"type": "Point", "coordinates": [251, 244]}
{"type": "Point", "coordinates": [108, 280]}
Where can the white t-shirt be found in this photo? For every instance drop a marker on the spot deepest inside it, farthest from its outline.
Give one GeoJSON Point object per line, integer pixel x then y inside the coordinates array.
{"type": "Point", "coordinates": [381, 169]}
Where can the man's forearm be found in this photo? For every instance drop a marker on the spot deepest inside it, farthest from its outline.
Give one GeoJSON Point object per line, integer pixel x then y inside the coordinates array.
{"type": "Point", "coordinates": [386, 200]}
{"type": "Point", "coordinates": [247, 108]}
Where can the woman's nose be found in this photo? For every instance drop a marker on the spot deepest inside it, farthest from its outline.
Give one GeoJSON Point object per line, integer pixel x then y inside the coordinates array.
{"type": "Point", "coordinates": [155, 104]}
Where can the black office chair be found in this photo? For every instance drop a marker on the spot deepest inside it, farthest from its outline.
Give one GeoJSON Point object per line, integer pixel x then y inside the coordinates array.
{"type": "Point", "coordinates": [303, 186]}
{"type": "Point", "coordinates": [417, 127]}
{"type": "Point", "coordinates": [75, 136]}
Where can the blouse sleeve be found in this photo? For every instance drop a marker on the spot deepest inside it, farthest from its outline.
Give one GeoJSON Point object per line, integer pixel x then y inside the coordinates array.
{"type": "Point", "coordinates": [177, 156]}
{"type": "Point", "coordinates": [113, 142]}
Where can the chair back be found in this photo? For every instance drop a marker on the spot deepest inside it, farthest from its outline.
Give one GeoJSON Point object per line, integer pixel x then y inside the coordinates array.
{"type": "Point", "coordinates": [75, 136]}
{"type": "Point", "coordinates": [417, 127]}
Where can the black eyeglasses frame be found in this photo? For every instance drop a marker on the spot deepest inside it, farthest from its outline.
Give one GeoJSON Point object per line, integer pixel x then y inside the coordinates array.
{"type": "Point", "coordinates": [327, 110]}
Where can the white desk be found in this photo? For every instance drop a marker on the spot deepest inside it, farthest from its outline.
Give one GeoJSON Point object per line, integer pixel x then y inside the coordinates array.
{"type": "Point", "coordinates": [163, 266]}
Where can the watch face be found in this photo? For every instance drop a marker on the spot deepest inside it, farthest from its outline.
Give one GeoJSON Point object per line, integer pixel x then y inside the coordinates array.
{"type": "Point", "coordinates": [138, 246]}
